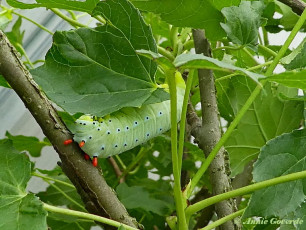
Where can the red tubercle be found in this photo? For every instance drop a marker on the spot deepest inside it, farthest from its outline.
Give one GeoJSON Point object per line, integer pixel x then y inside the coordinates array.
{"type": "Point", "coordinates": [95, 161]}
{"type": "Point", "coordinates": [86, 156]}
{"type": "Point", "coordinates": [82, 143]}
{"type": "Point", "coordinates": [68, 142]}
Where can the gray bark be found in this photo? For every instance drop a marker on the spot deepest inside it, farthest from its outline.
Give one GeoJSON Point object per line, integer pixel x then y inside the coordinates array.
{"type": "Point", "coordinates": [97, 196]}
{"type": "Point", "coordinates": [210, 133]}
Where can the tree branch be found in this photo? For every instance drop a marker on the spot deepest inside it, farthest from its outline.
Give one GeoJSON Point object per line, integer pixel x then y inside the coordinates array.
{"type": "Point", "coordinates": [297, 6]}
{"type": "Point", "coordinates": [210, 133]}
{"type": "Point", "coordinates": [97, 196]}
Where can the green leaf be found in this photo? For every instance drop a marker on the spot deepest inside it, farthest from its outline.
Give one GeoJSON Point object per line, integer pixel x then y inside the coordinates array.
{"type": "Point", "coordinates": [60, 222]}
{"type": "Point", "coordinates": [160, 29]}
{"type": "Point", "coordinates": [289, 19]}
{"type": "Point", "coordinates": [124, 17]}
{"type": "Point", "coordinates": [287, 152]}
{"type": "Point", "coordinates": [4, 83]}
{"type": "Point", "coordinates": [300, 214]}
{"type": "Point", "coordinates": [5, 18]}
{"type": "Point", "coordinates": [136, 197]}
{"type": "Point", "coordinates": [16, 36]}
{"type": "Point", "coordinates": [98, 71]}
{"type": "Point", "coordinates": [31, 144]}
{"type": "Point", "coordinates": [266, 118]}
{"type": "Point", "coordinates": [18, 210]}
{"type": "Point", "coordinates": [295, 79]}
{"type": "Point", "coordinates": [84, 6]}
{"type": "Point", "coordinates": [297, 58]}
{"type": "Point", "coordinates": [199, 61]}
{"type": "Point", "coordinates": [54, 196]}
{"type": "Point", "coordinates": [295, 220]}
{"type": "Point", "coordinates": [188, 13]}
{"type": "Point", "coordinates": [243, 22]}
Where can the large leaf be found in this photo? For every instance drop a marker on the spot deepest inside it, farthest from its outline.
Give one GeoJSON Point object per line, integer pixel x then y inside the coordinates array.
{"type": "Point", "coordinates": [243, 22]}
{"type": "Point", "coordinates": [85, 6]}
{"type": "Point", "coordinates": [31, 144]}
{"type": "Point", "coordinates": [287, 152]}
{"type": "Point", "coordinates": [127, 19]}
{"type": "Point", "coordinates": [137, 197]}
{"type": "Point", "coordinates": [200, 61]}
{"type": "Point", "coordinates": [295, 79]}
{"type": "Point", "coordinates": [98, 71]}
{"type": "Point", "coordinates": [266, 118]}
{"type": "Point", "coordinates": [188, 13]}
{"type": "Point", "coordinates": [18, 210]}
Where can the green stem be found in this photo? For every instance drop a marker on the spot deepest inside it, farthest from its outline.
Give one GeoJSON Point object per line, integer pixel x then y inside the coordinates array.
{"type": "Point", "coordinates": [244, 190]}
{"type": "Point", "coordinates": [271, 52]}
{"type": "Point", "coordinates": [178, 196]}
{"type": "Point", "coordinates": [52, 179]}
{"type": "Point", "coordinates": [84, 215]}
{"type": "Point", "coordinates": [174, 39]}
{"type": "Point", "coordinates": [67, 196]}
{"type": "Point", "coordinates": [68, 19]}
{"type": "Point", "coordinates": [247, 52]}
{"type": "Point", "coordinates": [120, 162]}
{"type": "Point", "coordinates": [290, 38]}
{"type": "Point", "coordinates": [183, 117]}
{"type": "Point", "coordinates": [188, 44]}
{"type": "Point", "coordinates": [100, 19]}
{"type": "Point", "coordinates": [35, 23]}
{"type": "Point", "coordinates": [223, 139]}
{"type": "Point", "coordinates": [165, 53]}
{"type": "Point", "coordinates": [250, 69]}
{"type": "Point", "coordinates": [223, 220]}
{"type": "Point", "coordinates": [228, 48]}
{"type": "Point", "coordinates": [25, 55]}
{"type": "Point", "coordinates": [246, 106]}
{"type": "Point", "coordinates": [139, 156]}
{"type": "Point", "coordinates": [265, 36]}
{"type": "Point", "coordinates": [72, 14]}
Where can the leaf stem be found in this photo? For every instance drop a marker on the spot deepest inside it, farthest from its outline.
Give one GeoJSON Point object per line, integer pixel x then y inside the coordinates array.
{"type": "Point", "coordinates": [25, 55]}
{"type": "Point", "coordinates": [274, 54]}
{"type": "Point", "coordinates": [249, 69]}
{"type": "Point", "coordinates": [174, 39]}
{"type": "Point", "coordinates": [178, 196]}
{"type": "Point", "coordinates": [66, 195]}
{"type": "Point", "coordinates": [51, 208]}
{"type": "Point", "coordinates": [139, 156]}
{"type": "Point", "coordinates": [100, 19]}
{"type": "Point", "coordinates": [227, 48]}
{"type": "Point", "coordinates": [52, 179]}
{"type": "Point", "coordinates": [165, 53]}
{"type": "Point", "coordinates": [244, 190]}
{"type": "Point", "coordinates": [35, 23]}
{"type": "Point", "coordinates": [183, 117]}
{"type": "Point", "coordinates": [66, 18]}
{"type": "Point", "coordinates": [223, 220]}
{"type": "Point", "coordinates": [246, 106]}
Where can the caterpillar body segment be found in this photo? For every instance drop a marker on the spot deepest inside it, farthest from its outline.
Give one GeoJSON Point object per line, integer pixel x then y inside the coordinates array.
{"type": "Point", "coordinates": [126, 128]}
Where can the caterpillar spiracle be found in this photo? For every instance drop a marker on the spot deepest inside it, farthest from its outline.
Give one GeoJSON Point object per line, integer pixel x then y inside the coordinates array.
{"type": "Point", "coordinates": [125, 129]}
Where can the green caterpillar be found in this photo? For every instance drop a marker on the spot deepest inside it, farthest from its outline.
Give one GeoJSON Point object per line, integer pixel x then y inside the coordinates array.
{"type": "Point", "coordinates": [126, 128]}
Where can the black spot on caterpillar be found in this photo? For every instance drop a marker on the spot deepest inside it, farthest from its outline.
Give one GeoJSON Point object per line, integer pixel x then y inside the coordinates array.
{"type": "Point", "coordinates": [126, 128]}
